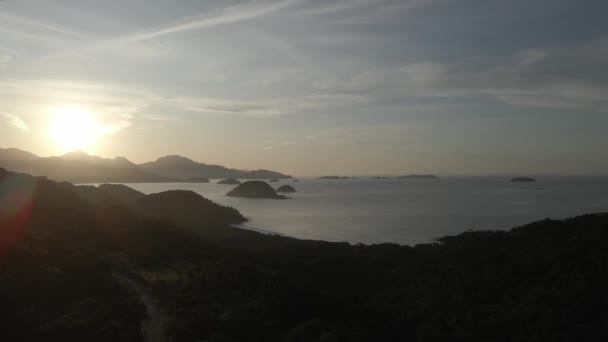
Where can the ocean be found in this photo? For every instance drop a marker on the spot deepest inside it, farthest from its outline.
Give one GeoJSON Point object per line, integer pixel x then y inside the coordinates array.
{"type": "Point", "coordinates": [408, 211]}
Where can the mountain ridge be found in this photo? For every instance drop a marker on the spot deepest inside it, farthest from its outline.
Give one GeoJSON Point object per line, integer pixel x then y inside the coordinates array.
{"type": "Point", "coordinates": [177, 166]}
{"type": "Point", "coordinates": [81, 167]}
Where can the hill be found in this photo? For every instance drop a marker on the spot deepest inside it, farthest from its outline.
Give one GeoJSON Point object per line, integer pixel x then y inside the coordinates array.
{"type": "Point", "coordinates": [62, 245]}
{"type": "Point", "coordinates": [175, 166]}
{"type": "Point", "coordinates": [255, 189]}
{"type": "Point", "coordinates": [76, 167]}
{"type": "Point", "coordinates": [418, 177]}
{"type": "Point", "coordinates": [80, 167]}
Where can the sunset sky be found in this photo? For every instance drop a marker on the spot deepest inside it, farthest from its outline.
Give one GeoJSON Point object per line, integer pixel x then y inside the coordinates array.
{"type": "Point", "coordinates": [312, 87]}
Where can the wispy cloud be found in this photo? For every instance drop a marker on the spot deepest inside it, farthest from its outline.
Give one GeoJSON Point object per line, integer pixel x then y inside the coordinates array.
{"type": "Point", "coordinates": [329, 7]}
{"type": "Point", "coordinates": [114, 110]}
{"type": "Point", "coordinates": [39, 33]}
{"type": "Point", "coordinates": [232, 14]}
{"type": "Point", "coordinates": [43, 26]}
{"type": "Point", "coordinates": [16, 121]}
{"type": "Point", "coordinates": [271, 106]}
{"type": "Point", "coordinates": [19, 123]}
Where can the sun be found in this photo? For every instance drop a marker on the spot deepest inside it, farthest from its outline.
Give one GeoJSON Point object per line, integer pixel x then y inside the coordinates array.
{"type": "Point", "coordinates": [73, 129]}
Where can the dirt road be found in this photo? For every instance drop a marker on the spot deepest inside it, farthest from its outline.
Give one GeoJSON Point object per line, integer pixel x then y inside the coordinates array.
{"type": "Point", "coordinates": [153, 329]}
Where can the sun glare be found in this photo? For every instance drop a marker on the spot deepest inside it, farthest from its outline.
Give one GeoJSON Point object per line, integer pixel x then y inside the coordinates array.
{"type": "Point", "coordinates": [73, 129]}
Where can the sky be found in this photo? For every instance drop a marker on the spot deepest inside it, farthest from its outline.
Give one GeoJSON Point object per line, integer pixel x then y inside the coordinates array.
{"type": "Point", "coordinates": [311, 87]}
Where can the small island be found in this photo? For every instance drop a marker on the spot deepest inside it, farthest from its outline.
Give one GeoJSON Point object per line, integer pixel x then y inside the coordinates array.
{"type": "Point", "coordinates": [418, 177]}
{"type": "Point", "coordinates": [334, 177]}
{"type": "Point", "coordinates": [286, 188]}
{"type": "Point", "coordinates": [229, 181]}
{"type": "Point", "coordinates": [523, 180]}
{"type": "Point", "coordinates": [255, 189]}
{"type": "Point", "coordinates": [379, 177]}
{"type": "Point", "coordinates": [197, 180]}
{"type": "Point", "coordinates": [97, 251]}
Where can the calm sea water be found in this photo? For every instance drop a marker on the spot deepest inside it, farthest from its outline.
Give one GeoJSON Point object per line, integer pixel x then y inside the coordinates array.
{"type": "Point", "coordinates": [406, 211]}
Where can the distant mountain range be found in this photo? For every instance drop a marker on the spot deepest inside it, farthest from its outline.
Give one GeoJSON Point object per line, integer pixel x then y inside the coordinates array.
{"type": "Point", "coordinates": [79, 167]}
{"type": "Point", "coordinates": [418, 177]}
{"type": "Point", "coordinates": [175, 166]}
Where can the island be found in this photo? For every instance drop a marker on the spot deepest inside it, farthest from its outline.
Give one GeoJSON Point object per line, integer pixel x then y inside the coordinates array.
{"type": "Point", "coordinates": [230, 181]}
{"type": "Point", "coordinates": [286, 188]}
{"type": "Point", "coordinates": [176, 166]}
{"type": "Point", "coordinates": [418, 177]}
{"type": "Point", "coordinates": [255, 189]}
{"type": "Point", "coordinates": [523, 180]}
{"type": "Point", "coordinates": [334, 177]}
{"type": "Point", "coordinates": [379, 177]}
{"type": "Point", "coordinates": [110, 259]}
{"type": "Point", "coordinates": [197, 180]}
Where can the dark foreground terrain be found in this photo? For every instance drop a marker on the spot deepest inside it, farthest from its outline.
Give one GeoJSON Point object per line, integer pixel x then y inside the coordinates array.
{"type": "Point", "coordinates": [83, 263]}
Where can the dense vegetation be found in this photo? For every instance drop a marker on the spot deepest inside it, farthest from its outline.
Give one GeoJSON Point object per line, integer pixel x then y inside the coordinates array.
{"type": "Point", "coordinates": [61, 245]}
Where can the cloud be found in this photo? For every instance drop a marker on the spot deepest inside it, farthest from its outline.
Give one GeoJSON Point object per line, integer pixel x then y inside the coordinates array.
{"type": "Point", "coordinates": [238, 108]}
{"type": "Point", "coordinates": [304, 56]}
{"type": "Point", "coordinates": [115, 127]}
{"type": "Point", "coordinates": [118, 107]}
{"type": "Point", "coordinates": [114, 110]}
{"type": "Point", "coordinates": [236, 13]}
{"type": "Point", "coordinates": [564, 78]}
{"type": "Point", "coordinates": [38, 33]}
{"type": "Point", "coordinates": [159, 118]}
{"type": "Point", "coordinates": [16, 122]}
{"type": "Point", "coordinates": [30, 23]}
{"type": "Point", "coordinates": [268, 107]}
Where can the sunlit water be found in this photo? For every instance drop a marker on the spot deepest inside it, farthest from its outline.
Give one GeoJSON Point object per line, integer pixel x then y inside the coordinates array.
{"type": "Point", "coordinates": [405, 211]}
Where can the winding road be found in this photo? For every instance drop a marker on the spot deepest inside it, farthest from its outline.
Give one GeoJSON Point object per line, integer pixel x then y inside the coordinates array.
{"type": "Point", "coordinates": [153, 329]}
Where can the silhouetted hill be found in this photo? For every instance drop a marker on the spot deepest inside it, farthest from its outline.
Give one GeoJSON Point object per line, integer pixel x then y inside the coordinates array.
{"type": "Point", "coordinates": [229, 181]}
{"type": "Point", "coordinates": [188, 208]}
{"type": "Point", "coordinates": [122, 192]}
{"type": "Point", "coordinates": [175, 166]}
{"type": "Point", "coordinates": [56, 284]}
{"type": "Point", "coordinates": [418, 177]}
{"type": "Point", "coordinates": [16, 154]}
{"type": "Point", "coordinates": [263, 174]}
{"type": "Point", "coordinates": [61, 245]}
{"type": "Point", "coordinates": [286, 188]}
{"type": "Point", "coordinates": [118, 162]}
{"type": "Point", "coordinates": [197, 180]}
{"type": "Point", "coordinates": [76, 167]}
{"type": "Point", "coordinates": [255, 189]}
{"type": "Point", "coordinates": [334, 177]}
{"type": "Point", "coordinates": [80, 167]}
